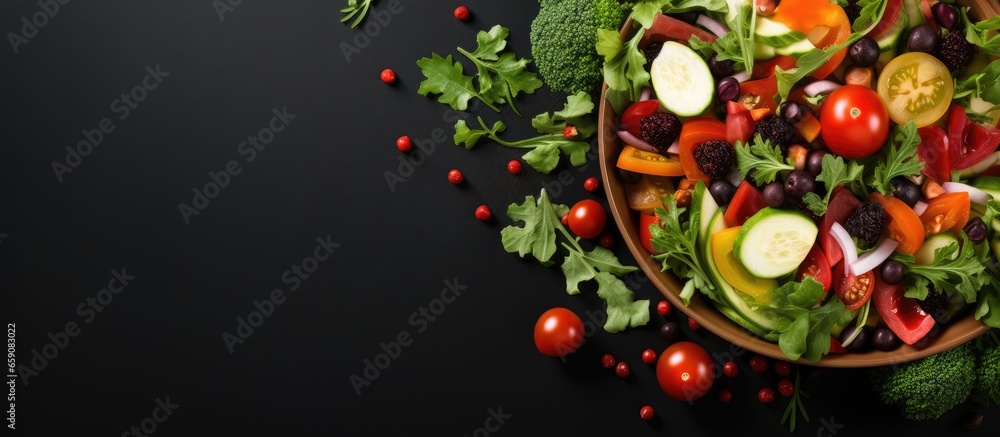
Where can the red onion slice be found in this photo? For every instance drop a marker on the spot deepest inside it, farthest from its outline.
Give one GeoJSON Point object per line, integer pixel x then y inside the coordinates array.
{"type": "Point", "coordinates": [713, 26]}
{"type": "Point", "coordinates": [647, 93]}
{"type": "Point", "coordinates": [820, 87]}
{"type": "Point", "coordinates": [919, 207]}
{"type": "Point", "coordinates": [846, 244]}
{"type": "Point", "coordinates": [675, 148]}
{"type": "Point", "coordinates": [636, 142]}
{"type": "Point", "coordinates": [741, 76]}
{"type": "Point", "coordinates": [975, 194]}
{"type": "Point", "coordinates": [867, 262]}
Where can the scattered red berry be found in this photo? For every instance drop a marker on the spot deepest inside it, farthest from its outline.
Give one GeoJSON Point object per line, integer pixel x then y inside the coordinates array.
{"type": "Point", "coordinates": [693, 324]}
{"type": "Point", "coordinates": [622, 370]}
{"type": "Point", "coordinates": [649, 356]}
{"type": "Point", "coordinates": [759, 363]}
{"type": "Point", "coordinates": [608, 361]}
{"type": "Point", "coordinates": [388, 76]}
{"type": "Point", "coordinates": [785, 387]}
{"type": "Point", "coordinates": [456, 178]}
{"type": "Point", "coordinates": [564, 219]}
{"type": "Point", "coordinates": [663, 308]}
{"type": "Point", "coordinates": [730, 369]}
{"type": "Point", "coordinates": [782, 368]}
{"type": "Point", "coordinates": [483, 213]}
{"type": "Point", "coordinates": [607, 240]}
{"type": "Point", "coordinates": [725, 395]}
{"type": "Point", "coordinates": [403, 144]}
{"type": "Point", "coordinates": [514, 166]}
{"type": "Point", "coordinates": [569, 132]}
{"type": "Point", "coordinates": [591, 184]}
{"type": "Point", "coordinates": [646, 412]}
{"type": "Point", "coordinates": [462, 13]}
{"type": "Point", "coordinates": [765, 395]}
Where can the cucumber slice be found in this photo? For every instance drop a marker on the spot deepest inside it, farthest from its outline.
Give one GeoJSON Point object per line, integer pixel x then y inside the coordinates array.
{"type": "Point", "coordinates": [925, 254]}
{"type": "Point", "coordinates": [775, 34]}
{"type": "Point", "coordinates": [774, 242]}
{"type": "Point", "coordinates": [703, 209]}
{"type": "Point", "coordinates": [914, 16]}
{"type": "Point", "coordinates": [892, 36]}
{"type": "Point", "coordinates": [988, 184]}
{"type": "Point", "coordinates": [682, 80]}
{"type": "Point", "coordinates": [796, 50]}
{"type": "Point", "coordinates": [762, 52]}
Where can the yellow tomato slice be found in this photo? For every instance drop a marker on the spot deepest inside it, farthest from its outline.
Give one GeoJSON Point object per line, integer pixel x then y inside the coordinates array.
{"type": "Point", "coordinates": [916, 86]}
{"type": "Point", "coordinates": [647, 194]}
{"type": "Point", "coordinates": [640, 161]}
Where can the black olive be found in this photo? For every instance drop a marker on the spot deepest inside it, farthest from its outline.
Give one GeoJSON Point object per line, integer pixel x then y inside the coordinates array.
{"type": "Point", "coordinates": [774, 194]}
{"type": "Point", "coordinates": [722, 191]}
{"type": "Point", "coordinates": [864, 52]}
{"type": "Point", "coordinates": [922, 38]}
{"type": "Point", "coordinates": [892, 272]}
{"type": "Point", "coordinates": [798, 183]}
{"type": "Point", "coordinates": [814, 162]}
{"type": "Point", "coordinates": [884, 339]}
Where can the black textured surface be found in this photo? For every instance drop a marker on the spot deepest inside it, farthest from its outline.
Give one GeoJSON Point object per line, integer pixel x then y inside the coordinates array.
{"type": "Point", "coordinates": [322, 175]}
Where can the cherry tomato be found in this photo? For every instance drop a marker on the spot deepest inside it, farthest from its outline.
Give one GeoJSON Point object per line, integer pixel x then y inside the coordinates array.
{"type": "Point", "coordinates": [622, 370]}
{"type": "Point", "coordinates": [514, 166]}
{"type": "Point", "coordinates": [608, 361]}
{"type": "Point", "coordinates": [404, 144]}
{"type": "Point", "coordinates": [483, 212]}
{"type": "Point", "coordinates": [649, 356]}
{"type": "Point", "coordinates": [635, 112]}
{"type": "Point", "coordinates": [455, 177]}
{"type": "Point", "coordinates": [904, 225]}
{"type": "Point", "coordinates": [646, 413]}
{"type": "Point", "coordinates": [663, 308]}
{"type": "Point", "coordinates": [968, 142]}
{"type": "Point", "coordinates": [645, 236]}
{"type": "Point", "coordinates": [854, 121]}
{"type": "Point", "coordinates": [853, 290]}
{"type": "Point", "coordinates": [816, 266]}
{"type": "Point", "coordinates": [730, 369]}
{"type": "Point", "coordinates": [759, 363]}
{"type": "Point", "coordinates": [933, 151]}
{"type": "Point", "coordinates": [558, 332]}
{"type": "Point", "coordinates": [949, 211]}
{"type": "Point", "coordinates": [388, 76]}
{"type": "Point", "coordinates": [591, 184]}
{"type": "Point", "coordinates": [587, 218]}
{"type": "Point", "coordinates": [462, 13]}
{"type": "Point", "coordinates": [694, 131]}
{"type": "Point", "coordinates": [685, 371]}
{"type": "Point", "coordinates": [915, 86]}
{"type": "Point", "coordinates": [765, 395]}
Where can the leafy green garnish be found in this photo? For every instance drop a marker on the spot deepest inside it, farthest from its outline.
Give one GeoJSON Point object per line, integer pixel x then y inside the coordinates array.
{"type": "Point", "coordinates": [356, 9]}
{"type": "Point", "coordinates": [900, 159]}
{"type": "Point", "coordinates": [623, 63]}
{"type": "Point", "coordinates": [644, 11]}
{"type": "Point", "coordinates": [795, 405]}
{"type": "Point", "coordinates": [762, 157]}
{"type": "Point", "coordinates": [962, 275]}
{"type": "Point", "coordinates": [869, 10]}
{"type": "Point", "coordinates": [835, 172]}
{"type": "Point", "coordinates": [538, 237]}
{"type": "Point", "coordinates": [677, 244]}
{"type": "Point", "coordinates": [547, 147]}
{"type": "Point", "coordinates": [805, 329]}
{"type": "Point", "coordinates": [979, 33]}
{"type": "Point", "coordinates": [737, 45]}
{"type": "Point", "coordinates": [500, 75]}
{"type": "Point", "coordinates": [985, 84]}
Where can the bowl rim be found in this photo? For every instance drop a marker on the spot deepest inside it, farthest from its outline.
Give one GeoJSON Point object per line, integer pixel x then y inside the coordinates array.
{"type": "Point", "coordinates": [609, 147]}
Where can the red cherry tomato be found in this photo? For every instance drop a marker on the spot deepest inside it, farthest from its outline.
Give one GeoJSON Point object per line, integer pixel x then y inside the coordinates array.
{"type": "Point", "coordinates": [404, 144]}
{"type": "Point", "coordinates": [685, 371]}
{"type": "Point", "coordinates": [730, 369]}
{"type": "Point", "coordinates": [854, 121]}
{"type": "Point", "coordinates": [645, 236]}
{"type": "Point", "coordinates": [633, 114]}
{"type": "Point", "coordinates": [622, 370]}
{"type": "Point", "coordinates": [663, 308]}
{"type": "Point", "coordinates": [853, 290]}
{"type": "Point", "coordinates": [649, 356]}
{"type": "Point", "coordinates": [514, 166]}
{"type": "Point", "coordinates": [388, 76]}
{"type": "Point", "coordinates": [817, 267]}
{"type": "Point", "coordinates": [483, 212]}
{"type": "Point", "coordinates": [587, 218]}
{"type": "Point", "coordinates": [455, 177]}
{"type": "Point", "coordinates": [591, 184]}
{"type": "Point", "coordinates": [462, 13]}
{"type": "Point", "coordinates": [558, 332]}
{"type": "Point", "coordinates": [646, 413]}
{"type": "Point", "coordinates": [608, 361]}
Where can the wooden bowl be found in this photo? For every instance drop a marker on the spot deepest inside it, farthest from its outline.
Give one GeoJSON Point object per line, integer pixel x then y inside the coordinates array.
{"type": "Point", "coordinates": [702, 310]}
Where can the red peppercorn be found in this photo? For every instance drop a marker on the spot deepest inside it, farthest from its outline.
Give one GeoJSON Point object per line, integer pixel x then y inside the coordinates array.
{"type": "Point", "coordinates": [569, 132]}
{"type": "Point", "coordinates": [462, 13]}
{"type": "Point", "coordinates": [765, 395]}
{"type": "Point", "coordinates": [388, 76]}
{"type": "Point", "coordinates": [649, 356]}
{"type": "Point", "coordinates": [759, 363]}
{"type": "Point", "coordinates": [785, 387]}
{"type": "Point", "coordinates": [591, 184]}
{"type": "Point", "coordinates": [782, 368]}
{"type": "Point", "coordinates": [725, 396]}
{"type": "Point", "coordinates": [564, 219]}
{"type": "Point", "coordinates": [730, 369]}
{"type": "Point", "coordinates": [514, 166]}
{"type": "Point", "coordinates": [403, 144]}
{"type": "Point", "coordinates": [456, 178]}
{"type": "Point", "coordinates": [622, 370]}
{"type": "Point", "coordinates": [608, 361]}
{"type": "Point", "coordinates": [646, 412]}
{"type": "Point", "coordinates": [607, 240]}
{"type": "Point", "coordinates": [663, 308]}
{"type": "Point", "coordinates": [483, 213]}
{"type": "Point", "coordinates": [693, 324]}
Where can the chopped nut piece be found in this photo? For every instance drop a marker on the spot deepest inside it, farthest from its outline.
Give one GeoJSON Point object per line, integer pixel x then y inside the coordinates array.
{"type": "Point", "coordinates": [932, 189]}
{"type": "Point", "coordinates": [859, 76]}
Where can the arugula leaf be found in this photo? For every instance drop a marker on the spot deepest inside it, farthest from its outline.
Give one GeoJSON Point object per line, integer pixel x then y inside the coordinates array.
{"type": "Point", "coordinates": [869, 10]}
{"type": "Point", "coordinates": [356, 9]}
{"type": "Point", "coordinates": [962, 275]}
{"type": "Point", "coordinates": [644, 11]}
{"type": "Point", "coordinates": [985, 84]}
{"type": "Point", "coordinates": [444, 76]}
{"type": "Point", "coordinates": [979, 33]}
{"type": "Point", "coordinates": [737, 45]}
{"type": "Point", "coordinates": [805, 330]}
{"type": "Point", "coordinates": [677, 244]}
{"type": "Point", "coordinates": [538, 237]}
{"type": "Point", "coordinates": [578, 112]}
{"type": "Point", "coordinates": [623, 63]}
{"type": "Point", "coordinates": [900, 159]}
{"type": "Point", "coordinates": [502, 76]}
{"type": "Point", "coordinates": [762, 157]}
{"type": "Point", "coordinates": [835, 172]}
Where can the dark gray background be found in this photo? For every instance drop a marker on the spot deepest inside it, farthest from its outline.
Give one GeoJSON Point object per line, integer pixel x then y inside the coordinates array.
{"type": "Point", "coordinates": [323, 175]}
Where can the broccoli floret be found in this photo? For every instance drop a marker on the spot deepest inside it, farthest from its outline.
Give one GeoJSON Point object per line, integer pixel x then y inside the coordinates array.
{"type": "Point", "coordinates": [927, 388]}
{"type": "Point", "coordinates": [563, 37]}
{"type": "Point", "coordinates": [987, 389]}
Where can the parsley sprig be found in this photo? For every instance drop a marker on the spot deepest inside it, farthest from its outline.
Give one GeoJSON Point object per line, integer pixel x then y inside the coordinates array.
{"type": "Point", "coordinates": [677, 244]}
{"type": "Point", "coordinates": [900, 159]}
{"type": "Point", "coordinates": [762, 157]}
{"type": "Point", "coordinates": [538, 237]}
{"type": "Point", "coordinates": [956, 268]}
{"type": "Point", "coordinates": [356, 9]}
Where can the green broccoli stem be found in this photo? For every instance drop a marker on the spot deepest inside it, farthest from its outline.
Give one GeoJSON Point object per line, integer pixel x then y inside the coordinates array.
{"type": "Point", "coordinates": [488, 66]}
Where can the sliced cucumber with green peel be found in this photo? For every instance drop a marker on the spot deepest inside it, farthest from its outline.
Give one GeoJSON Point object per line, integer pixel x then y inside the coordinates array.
{"type": "Point", "coordinates": [746, 324]}
{"type": "Point", "coordinates": [703, 210]}
{"type": "Point", "coordinates": [892, 36]}
{"type": "Point", "coordinates": [989, 184]}
{"type": "Point", "coordinates": [682, 80]}
{"type": "Point", "coordinates": [925, 254]}
{"type": "Point", "coordinates": [775, 34]}
{"type": "Point", "coordinates": [763, 52]}
{"type": "Point", "coordinates": [914, 15]}
{"type": "Point", "coordinates": [774, 242]}
{"type": "Point", "coordinates": [796, 50]}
